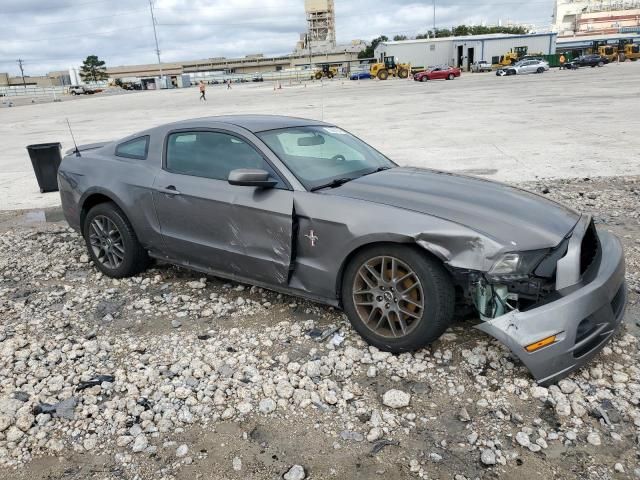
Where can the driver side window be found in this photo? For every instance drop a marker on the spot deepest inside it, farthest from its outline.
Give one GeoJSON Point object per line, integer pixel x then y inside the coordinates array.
{"type": "Point", "coordinates": [212, 155]}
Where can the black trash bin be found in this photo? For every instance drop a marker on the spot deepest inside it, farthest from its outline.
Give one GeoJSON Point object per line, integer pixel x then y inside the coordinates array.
{"type": "Point", "coordinates": [46, 158]}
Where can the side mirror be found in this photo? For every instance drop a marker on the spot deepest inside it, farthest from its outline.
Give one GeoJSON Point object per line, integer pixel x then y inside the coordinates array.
{"type": "Point", "coordinates": [251, 178]}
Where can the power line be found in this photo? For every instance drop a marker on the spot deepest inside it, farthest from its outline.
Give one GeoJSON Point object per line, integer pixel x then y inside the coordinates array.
{"type": "Point", "coordinates": [84, 19]}
{"type": "Point", "coordinates": [84, 35]}
{"type": "Point", "coordinates": [53, 7]}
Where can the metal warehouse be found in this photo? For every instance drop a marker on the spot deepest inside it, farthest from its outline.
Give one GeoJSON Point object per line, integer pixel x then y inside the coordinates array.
{"type": "Point", "coordinates": [463, 51]}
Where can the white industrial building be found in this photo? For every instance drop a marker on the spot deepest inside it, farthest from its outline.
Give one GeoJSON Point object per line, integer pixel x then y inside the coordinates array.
{"type": "Point", "coordinates": [463, 51]}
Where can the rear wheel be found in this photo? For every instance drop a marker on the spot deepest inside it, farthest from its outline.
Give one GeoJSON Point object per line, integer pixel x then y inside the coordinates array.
{"type": "Point", "coordinates": [540, 70]}
{"type": "Point", "coordinates": [398, 298]}
{"type": "Point", "coordinates": [112, 244]}
{"type": "Point", "coordinates": [318, 76]}
{"type": "Point", "coordinates": [451, 76]}
{"type": "Point", "coordinates": [383, 75]}
{"type": "Point", "coordinates": [601, 64]}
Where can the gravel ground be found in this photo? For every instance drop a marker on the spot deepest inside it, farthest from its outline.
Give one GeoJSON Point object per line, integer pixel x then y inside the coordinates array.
{"type": "Point", "coordinates": [173, 376]}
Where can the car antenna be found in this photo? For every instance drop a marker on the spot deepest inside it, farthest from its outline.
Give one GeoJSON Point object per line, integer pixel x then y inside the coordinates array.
{"type": "Point", "coordinates": [76, 151]}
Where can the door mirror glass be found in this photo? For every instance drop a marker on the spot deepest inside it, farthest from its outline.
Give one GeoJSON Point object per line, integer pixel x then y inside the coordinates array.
{"type": "Point", "coordinates": [251, 178]}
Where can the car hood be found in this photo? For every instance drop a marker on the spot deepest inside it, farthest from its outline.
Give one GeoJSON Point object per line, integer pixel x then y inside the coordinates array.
{"type": "Point", "coordinates": [516, 218]}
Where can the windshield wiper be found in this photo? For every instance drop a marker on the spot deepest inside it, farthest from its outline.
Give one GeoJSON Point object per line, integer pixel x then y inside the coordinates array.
{"type": "Point", "coordinates": [335, 183]}
{"type": "Point", "coordinates": [380, 169]}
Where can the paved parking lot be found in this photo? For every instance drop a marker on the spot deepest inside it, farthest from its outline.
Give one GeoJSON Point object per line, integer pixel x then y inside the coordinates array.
{"type": "Point", "coordinates": [561, 124]}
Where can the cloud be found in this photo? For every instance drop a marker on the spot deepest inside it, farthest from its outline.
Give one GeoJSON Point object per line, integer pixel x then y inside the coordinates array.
{"type": "Point", "coordinates": [58, 34]}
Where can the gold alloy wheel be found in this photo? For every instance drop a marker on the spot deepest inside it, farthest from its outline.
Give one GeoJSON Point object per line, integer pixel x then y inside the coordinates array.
{"type": "Point", "coordinates": [388, 297]}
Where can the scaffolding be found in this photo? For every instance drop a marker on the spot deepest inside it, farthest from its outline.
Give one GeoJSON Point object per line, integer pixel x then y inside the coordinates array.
{"type": "Point", "coordinates": [321, 23]}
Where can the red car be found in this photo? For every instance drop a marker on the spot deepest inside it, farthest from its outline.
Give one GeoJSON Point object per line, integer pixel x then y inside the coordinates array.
{"type": "Point", "coordinates": [438, 73]}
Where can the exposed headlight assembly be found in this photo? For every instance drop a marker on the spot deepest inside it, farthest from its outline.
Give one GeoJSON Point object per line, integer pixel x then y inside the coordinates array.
{"type": "Point", "coordinates": [517, 264]}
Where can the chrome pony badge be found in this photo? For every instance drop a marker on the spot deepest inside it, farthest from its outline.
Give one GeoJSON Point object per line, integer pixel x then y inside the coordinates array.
{"type": "Point", "coordinates": [312, 238]}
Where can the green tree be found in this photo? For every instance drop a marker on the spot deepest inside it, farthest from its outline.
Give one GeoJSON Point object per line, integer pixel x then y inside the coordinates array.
{"type": "Point", "coordinates": [399, 38]}
{"type": "Point", "coordinates": [369, 51]}
{"type": "Point", "coordinates": [464, 30]}
{"type": "Point", "coordinates": [93, 69]}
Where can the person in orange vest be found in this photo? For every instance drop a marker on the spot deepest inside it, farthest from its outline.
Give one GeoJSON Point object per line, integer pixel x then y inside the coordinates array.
{"type": "Point", "coordinates": [203, 91]}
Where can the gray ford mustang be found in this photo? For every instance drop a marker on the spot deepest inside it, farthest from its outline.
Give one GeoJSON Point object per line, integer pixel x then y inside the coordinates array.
{"type": "Point", "coordinates": [303, 207]}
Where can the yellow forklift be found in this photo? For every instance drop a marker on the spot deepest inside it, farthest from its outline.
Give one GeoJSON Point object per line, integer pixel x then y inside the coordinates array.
{"type": "Point", "coordinates": [390, 67]}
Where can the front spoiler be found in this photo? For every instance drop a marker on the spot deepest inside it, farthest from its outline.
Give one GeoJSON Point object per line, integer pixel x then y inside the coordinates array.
{"type": "Point", "coordinates": [584, 319]}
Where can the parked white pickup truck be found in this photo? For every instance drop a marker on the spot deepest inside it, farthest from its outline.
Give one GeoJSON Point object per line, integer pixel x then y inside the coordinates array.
{"type": "Point", "coordinates": [81, 90]}
{"type": "Point", "coordinates": [481, 66]}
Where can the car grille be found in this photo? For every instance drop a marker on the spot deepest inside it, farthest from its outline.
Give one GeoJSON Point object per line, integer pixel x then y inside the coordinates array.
{"type": "Point", "coordinates": [589, 249]}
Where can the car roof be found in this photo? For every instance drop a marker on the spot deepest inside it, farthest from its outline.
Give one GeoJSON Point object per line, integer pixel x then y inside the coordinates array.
{"type": "Point", "coordinates": [253, 123]}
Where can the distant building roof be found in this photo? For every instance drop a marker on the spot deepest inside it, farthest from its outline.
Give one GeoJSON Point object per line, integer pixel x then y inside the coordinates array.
{"type": "Point", "coordinates": [488, 36]}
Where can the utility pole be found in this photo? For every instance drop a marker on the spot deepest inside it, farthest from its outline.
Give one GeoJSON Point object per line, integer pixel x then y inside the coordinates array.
{"type": "Point", "coordinates": [22, 71]}
{"type": "Point", "coordinates": [155, 36]}
{"type": "Point", "coordinates": [434, 19]}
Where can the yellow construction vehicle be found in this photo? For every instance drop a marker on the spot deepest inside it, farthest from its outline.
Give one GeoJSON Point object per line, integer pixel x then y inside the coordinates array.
{"type": "Point", "coordinates": [631, 52]}
{"type": "Point", "coordinates": [610, 52]}
{"type": "Point", "coordinates": [390, 68]}
{"type": "Point", "coordinates": [326, 71]}
{"type": "Point", "coordinates": [512, 56]}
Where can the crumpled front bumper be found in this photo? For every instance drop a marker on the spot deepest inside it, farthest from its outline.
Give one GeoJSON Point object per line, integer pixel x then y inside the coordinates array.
{"type": "Point", "coordinates": [584, 319]}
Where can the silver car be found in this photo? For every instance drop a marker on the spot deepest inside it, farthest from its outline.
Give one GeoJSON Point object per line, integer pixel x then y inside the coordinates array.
{"type": "Point", "coordinates": [305, 208]}
{"type": "Point", "coordinates": [524, 67]}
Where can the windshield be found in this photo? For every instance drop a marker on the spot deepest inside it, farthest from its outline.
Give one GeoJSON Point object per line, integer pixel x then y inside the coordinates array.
{"type": "Point", "coordinates": [318, 156]}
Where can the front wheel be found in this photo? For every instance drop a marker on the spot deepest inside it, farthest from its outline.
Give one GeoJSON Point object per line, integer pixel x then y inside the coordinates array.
{"type": "Point", "coordinates": [112, 243]}
{"type": "Point", "coordinates": [424, 79]}
{"type": "Point", "coordinates": [404, 74]}
{"type": "Point", "coordinates": [397, 297]}
{"type": "Point", "coordinates": [383, 75]}
{"type": "Point", "coordinates": [601, 64]}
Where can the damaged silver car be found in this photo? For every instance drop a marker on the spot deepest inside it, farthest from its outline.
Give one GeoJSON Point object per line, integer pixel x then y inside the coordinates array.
{"type": "Point", "coordinates": [305, 208]}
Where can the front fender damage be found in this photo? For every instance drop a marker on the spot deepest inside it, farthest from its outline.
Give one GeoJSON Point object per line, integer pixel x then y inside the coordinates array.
{"type": "Point", "coordinates": [461, 248]}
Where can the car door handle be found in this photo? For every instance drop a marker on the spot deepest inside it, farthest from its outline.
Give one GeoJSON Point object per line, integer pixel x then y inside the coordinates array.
{"type": "Point", "coordinates": [170, 190]}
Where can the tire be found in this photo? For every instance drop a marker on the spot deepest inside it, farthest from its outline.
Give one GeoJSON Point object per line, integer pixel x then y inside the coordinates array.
{"type": "Point", "coordinates": [540, 70]}
{"type": "Point", "coordinates": [318, 76]}
{"type": "Point", "coordinates": [383, 75]}
{"type": "Point", "coordinates": [430, 285]}
{"type": "Point", "coordinates": [451, 76]}
{"type": "Point", "coordinates": [404, 74]}
{"type": "Point", "coordinates": [74, 93]}
{"type": "Point", "coordinates": [134, 257]}
{"type": "Point", "coordinates": [424, 79]}
{"type": "Point", "coordinates": [601, 64]}
{"type": "Point", "coordinates": [633, 59]}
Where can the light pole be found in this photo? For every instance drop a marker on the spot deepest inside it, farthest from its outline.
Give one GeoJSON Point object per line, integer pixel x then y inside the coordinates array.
{"type": "Point", "coordinates": [155, 36]}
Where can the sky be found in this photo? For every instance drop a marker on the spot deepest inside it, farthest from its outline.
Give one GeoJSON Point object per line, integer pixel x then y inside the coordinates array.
{"type": "Point", "coordinates": [57, 34]}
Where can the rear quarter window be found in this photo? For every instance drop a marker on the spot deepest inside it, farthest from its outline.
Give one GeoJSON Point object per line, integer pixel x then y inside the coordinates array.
{"type": "Point", "coordinates": [136, 148]}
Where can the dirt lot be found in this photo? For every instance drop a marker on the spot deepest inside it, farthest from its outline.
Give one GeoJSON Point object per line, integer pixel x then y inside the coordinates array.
{"type": "Point", "coordinates": [221, 381]}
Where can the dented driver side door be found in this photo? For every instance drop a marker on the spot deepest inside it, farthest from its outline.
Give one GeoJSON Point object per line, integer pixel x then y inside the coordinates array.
{"type": "Point", "coordinates": [239, 232]}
